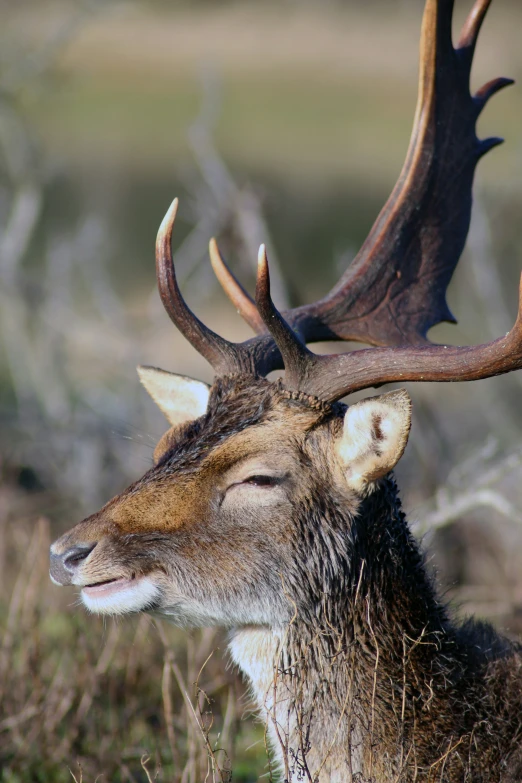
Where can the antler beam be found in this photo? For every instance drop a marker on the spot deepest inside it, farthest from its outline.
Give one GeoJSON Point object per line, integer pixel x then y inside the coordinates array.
{"type": "Point", "coordinates": [333, 377]}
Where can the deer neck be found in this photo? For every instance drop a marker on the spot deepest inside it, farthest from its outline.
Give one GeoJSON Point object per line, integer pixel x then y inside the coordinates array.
{"type": "Point", "coordinates": [365, 616]}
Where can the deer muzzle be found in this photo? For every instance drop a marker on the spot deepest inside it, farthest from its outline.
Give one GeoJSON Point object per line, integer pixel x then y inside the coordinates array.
{"type": "Point", "coordinates": [64, 565]}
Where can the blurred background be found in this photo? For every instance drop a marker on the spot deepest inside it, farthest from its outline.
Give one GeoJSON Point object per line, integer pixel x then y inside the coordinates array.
{"type": "Point", "coordinates": [283, 122]}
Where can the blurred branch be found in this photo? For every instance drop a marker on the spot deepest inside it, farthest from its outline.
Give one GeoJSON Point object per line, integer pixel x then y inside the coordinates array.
{"type": "Point", "coordinates": [470, 488]}
{"type": "Point", "coordinates": [17, 151]}
{"type": "Point", "coordinates": [487, 285]}
{"type": "Point", "coordinates": [485, 274]}
{"type": "Point", "coordinates": [452, 507]}
{"type": "Point", "coordinates": [45, 327]}
{"type": "Point", "coordinates": [220, 205]}
{"type": "Point", "coordinates": [29, 70]}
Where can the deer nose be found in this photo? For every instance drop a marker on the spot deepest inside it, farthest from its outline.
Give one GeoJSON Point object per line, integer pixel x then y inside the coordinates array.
{"type": "Point", "coordinates": [75, 555]}
{"type": "Point", "coordinates": [64, 565]}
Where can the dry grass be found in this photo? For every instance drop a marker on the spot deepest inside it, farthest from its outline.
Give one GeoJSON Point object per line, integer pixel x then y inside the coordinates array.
{"type": "Point", "coordinates": [106, 701]}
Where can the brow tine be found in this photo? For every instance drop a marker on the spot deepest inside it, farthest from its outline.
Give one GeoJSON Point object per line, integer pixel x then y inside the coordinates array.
{"type": "Point", "coordinates": [241, 300]}
{"type": "Point", "coordinates": [225, 357]}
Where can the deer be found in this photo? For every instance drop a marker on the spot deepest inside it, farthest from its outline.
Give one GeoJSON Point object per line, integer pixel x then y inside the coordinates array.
{"type": "Point", "coordinates": [271, 508]}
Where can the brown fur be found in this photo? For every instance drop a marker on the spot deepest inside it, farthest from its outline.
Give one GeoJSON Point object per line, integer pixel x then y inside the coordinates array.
{"type": "Point", "coordinates": [372, 682]}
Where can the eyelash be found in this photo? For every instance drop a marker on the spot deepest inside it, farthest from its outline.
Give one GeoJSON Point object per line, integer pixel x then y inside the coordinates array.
{"type": "Point", "coordinates": [262, 481]}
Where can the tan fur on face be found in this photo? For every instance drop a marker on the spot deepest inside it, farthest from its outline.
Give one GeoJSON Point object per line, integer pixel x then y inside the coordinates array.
{"type": "Point", "coordinates": [198, 505]}
{"type": "Point", "coordinates": [166, 502]}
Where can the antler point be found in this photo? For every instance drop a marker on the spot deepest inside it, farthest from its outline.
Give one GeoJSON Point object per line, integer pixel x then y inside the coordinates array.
{"type": "Point", "coordinates": [215, 255]}
{"type": "Point", "coordinates": [489, 89]}
{"type": "Point", "coordinates": [262, 266]}
{"type": "Point", "coordinates": [168, 221]}
{"type": "Point", "coordinates": [173, 208]}
{"type": "Point", "coordinates": [485, 145]}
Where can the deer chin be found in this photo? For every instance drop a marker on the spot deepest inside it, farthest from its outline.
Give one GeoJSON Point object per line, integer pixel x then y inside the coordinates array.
{"type": "Point", "coordinates": [121, 596]}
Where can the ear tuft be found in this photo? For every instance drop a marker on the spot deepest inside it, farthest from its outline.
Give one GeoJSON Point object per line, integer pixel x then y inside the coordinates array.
{"type": "Point", "coordinates": [178, 397]}
{"type": "Point", "coordinates": [375, 433]}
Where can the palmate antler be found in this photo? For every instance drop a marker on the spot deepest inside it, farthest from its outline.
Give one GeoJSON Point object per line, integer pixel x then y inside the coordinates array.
{"type": "Point", "coordinates": [395, 289]}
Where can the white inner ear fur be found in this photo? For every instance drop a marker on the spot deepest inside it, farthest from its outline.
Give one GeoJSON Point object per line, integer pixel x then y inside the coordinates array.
{"type": "Point", "coordinates": [179, 398]}
{"type": "Point", "coordinates": [375, 433]}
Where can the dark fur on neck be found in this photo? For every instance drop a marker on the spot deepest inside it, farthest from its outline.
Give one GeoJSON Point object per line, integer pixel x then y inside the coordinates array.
{"type": "Point", "coordinates": [417, 697]}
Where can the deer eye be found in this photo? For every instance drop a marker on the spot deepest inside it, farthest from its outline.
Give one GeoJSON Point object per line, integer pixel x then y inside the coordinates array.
{"type": "Point", "coordinates": [262, 481]}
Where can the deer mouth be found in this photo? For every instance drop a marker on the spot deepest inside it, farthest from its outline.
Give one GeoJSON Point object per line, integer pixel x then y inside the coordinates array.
{"type": "Point", "coordinates": [121, 595]}
{"type": "Point", "coordinates": [108, 586]}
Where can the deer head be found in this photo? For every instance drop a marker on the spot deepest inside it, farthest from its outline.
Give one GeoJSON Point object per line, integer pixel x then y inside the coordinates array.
{"type": "Point", "coordinates": [208, 533]}
{"type": "Point", "coordinates": [213, 532]}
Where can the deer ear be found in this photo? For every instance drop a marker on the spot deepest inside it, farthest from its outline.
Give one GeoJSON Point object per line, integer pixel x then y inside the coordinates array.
{"type": "Point", "coordinates": [179, 398]}
{"type": "Point", "coordinates": [375, 433]}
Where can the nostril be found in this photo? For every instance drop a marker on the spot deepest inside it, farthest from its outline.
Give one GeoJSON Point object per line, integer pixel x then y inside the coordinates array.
{"type": "Point", "coordinates": [75, 555]}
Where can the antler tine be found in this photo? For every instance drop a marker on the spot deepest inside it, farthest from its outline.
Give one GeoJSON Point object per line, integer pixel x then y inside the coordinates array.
{"type": "Point", "coordinates": [395, 289]}
{"type": "Point", "coordinates": [296, 356]}
{"type": "Point", "coordinates": [466, 47]}
{"type": "Point", "coordinates": [241, 300]}
{"type": "Point", "coordinates": [254, 357]}
{"type": "Point", "coordinates": [489, 89]}
{"type": "Point", "coordinates": [333, 377]}
{"type": "Point", "coordinates": [471, 27]}
{"type": "Point", "coordinates": [225, 357]}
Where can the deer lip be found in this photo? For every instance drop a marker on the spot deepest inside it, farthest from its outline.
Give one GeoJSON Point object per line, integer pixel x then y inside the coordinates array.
{"type": "Point", "coordinates": [108, 586]}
